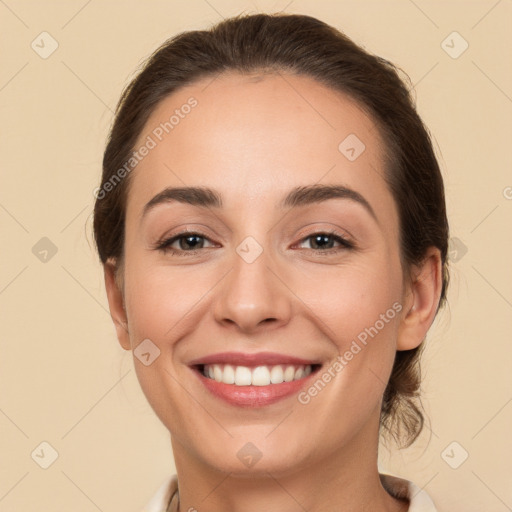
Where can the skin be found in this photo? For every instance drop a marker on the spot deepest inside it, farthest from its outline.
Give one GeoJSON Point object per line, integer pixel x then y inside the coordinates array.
{"type": "Point", "coordinates": [253, 138]}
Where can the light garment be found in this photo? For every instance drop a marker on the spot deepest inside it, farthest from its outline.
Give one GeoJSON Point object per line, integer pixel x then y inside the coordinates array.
{"type": "Point", "coordinates": [166, 497]}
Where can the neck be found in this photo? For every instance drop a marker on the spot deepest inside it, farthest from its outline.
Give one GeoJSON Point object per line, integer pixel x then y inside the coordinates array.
{"type": "Point", "coordinates": [347, 479]}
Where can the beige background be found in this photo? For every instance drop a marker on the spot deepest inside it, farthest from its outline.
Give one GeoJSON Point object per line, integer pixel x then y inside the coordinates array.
{"type": "Point", "coordinates": [65, 380]}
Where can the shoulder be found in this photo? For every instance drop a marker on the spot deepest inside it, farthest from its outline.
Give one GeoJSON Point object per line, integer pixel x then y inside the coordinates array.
{"type": "Point", "coordinates": [419, 500]}
{"type": "Point", "coordinates": [162, 497]}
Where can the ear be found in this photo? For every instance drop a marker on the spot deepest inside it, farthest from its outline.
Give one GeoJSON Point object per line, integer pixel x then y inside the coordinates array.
{"type": "Point", "coordinates": [421, 300]}
{"type": "Point", "coordinates": [116, 304]}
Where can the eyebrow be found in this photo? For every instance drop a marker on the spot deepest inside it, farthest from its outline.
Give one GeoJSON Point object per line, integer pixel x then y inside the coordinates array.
{"type": "Point", "coordinates": [298, 196]}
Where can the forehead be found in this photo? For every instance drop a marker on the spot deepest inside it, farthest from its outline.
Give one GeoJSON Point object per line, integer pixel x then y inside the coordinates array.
{"type": "Point", "coordinates": [255, 136]}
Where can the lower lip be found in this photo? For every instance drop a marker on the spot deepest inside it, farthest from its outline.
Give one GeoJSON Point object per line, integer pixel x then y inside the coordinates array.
{"type": "Point", "coordinates": [254, 396]}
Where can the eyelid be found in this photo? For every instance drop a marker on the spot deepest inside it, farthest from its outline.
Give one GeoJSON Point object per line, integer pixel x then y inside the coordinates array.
{"type": "Point", "coordinates": [167, 240]}
{"type": "Point", "coordinates": [345, 243]}
{"type": "Point", "coordinates": [334, 230]}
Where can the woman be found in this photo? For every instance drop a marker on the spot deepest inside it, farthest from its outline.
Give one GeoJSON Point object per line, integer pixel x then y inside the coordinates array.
{"type": "Point", "coordinates": [272, 224]}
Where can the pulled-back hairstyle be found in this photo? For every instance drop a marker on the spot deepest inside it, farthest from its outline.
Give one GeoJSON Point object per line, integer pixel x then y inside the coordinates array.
{"type": "Point", "coordinates": [306, 46]}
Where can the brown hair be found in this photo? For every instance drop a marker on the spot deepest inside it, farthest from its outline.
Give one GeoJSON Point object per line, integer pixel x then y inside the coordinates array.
{"type": "Point", "coordinates": [301, 45]}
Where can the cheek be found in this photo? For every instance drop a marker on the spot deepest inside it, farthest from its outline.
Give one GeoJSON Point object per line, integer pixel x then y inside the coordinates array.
{"type": "Point", "coordinates": [162, 306]}
{"type": "Point", "coordinates": [358, 309]}
{"type": "Point", "coordinates": [160, 300]}
{"type": "Point", "coordinates": [349, 300]}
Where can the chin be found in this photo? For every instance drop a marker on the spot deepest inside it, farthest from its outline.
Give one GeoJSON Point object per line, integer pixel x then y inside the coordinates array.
{"type": "Point", "coordinates": [243, 458]}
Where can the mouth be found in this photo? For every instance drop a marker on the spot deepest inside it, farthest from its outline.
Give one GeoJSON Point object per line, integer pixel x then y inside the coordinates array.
{"type": "Point", "coordinates": [256, 376]}
{"type": "Point", "coordinates": [243, 380]}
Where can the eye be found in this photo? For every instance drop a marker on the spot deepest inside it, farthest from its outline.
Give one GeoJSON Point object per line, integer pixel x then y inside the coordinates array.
{"type": "Point", "coordinates": [187, 241]}
{"type": "Point", "coordinates": [323, 242]}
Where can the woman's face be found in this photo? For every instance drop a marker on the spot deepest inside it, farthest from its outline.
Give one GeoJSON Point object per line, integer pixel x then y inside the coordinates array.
{"type": "Point", "coordinates": [263, 275]}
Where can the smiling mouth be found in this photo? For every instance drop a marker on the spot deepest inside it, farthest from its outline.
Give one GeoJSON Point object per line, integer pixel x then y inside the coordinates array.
{"type": "Point", "coordinates": [263, 375]}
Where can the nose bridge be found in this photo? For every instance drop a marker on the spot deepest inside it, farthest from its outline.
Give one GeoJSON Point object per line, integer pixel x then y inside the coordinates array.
{"type": "Point", "coordinates": [251, 294]}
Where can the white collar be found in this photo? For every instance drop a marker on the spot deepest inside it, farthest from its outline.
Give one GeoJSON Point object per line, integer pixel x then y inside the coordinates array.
{"type": "Point", "coordinates": [419, 500]}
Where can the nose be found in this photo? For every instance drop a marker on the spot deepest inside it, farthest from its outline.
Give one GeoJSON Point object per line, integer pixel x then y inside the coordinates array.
{"type": "Point", "coordinates": [252, 296]}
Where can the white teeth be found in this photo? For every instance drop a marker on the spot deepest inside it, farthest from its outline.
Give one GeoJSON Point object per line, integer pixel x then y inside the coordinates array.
{"type": "Point", "coordinates": [228, 376]}
{"type": "Point", "coordinates": [277, 374]}
{"type": "Point", "coordinates": [289, 374]}
{"type": "Point", "coordinates": [242, 375]}
{"type": "Point", "coordinates": [257, 376]}
{"type": "Point", "coordinates": [217, 373]}
{"type": "Point", "coordinates": [260, 376]}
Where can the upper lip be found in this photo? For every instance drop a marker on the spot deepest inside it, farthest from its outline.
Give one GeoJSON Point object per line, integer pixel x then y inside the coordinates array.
{"type": "Point", "coordinates": [256, 359]}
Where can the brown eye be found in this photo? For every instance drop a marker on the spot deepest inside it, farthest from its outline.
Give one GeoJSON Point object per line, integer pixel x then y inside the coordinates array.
{"type": "Point", "coordinates": [325, 242]}
{"type": "Point", "coordinates": [187, 242]}
{"type": "Point", "coordinates": [190, 241]}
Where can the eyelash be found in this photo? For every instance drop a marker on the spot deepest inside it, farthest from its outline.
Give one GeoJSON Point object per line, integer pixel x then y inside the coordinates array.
{"type": "Point", "coordinates": [164, 245]}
